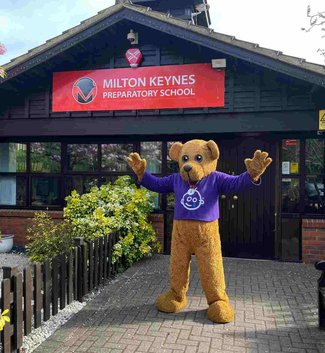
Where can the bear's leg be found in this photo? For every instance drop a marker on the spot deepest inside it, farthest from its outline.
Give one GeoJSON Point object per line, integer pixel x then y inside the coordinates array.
{"type": "Point", "coordinates": [174, 299]}
{"type": "Point", "coordinates": [209, 260]}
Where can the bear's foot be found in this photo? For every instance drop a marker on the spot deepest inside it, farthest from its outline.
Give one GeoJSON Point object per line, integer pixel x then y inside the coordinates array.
{"type": "Point", "coordinates": [168, 303]}
{"type": "Point", "coordinates": [221, 312]}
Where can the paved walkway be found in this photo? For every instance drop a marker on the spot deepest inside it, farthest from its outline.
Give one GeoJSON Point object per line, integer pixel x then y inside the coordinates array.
{"type": "Point", "coordinates": [275, 303]}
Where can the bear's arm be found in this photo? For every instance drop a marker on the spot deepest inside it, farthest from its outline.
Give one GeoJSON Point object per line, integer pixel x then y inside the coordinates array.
{"type": "Point", "coordinates": [226, 183]}
{"type": "Point", "coordinates": [164, 184]}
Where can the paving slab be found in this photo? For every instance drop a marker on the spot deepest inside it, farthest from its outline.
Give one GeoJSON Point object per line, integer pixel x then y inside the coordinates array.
{"type": "Point", "coordinates": [275, 304]}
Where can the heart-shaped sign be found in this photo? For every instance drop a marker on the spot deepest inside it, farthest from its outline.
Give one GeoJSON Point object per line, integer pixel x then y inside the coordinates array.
{"type": "Point", "coordinates": [133, 57]}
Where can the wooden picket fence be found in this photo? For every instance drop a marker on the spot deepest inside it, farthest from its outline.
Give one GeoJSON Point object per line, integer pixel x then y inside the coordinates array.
{"type": "Point", "coordinates": [35, 295]}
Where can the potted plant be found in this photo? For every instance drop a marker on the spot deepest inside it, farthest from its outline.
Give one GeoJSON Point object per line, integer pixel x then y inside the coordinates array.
{"type": "Point", "coordinates": [6, 242]}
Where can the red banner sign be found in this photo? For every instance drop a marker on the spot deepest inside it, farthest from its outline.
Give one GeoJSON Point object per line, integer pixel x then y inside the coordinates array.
{"type": "Point", "coordinates": [155, 87]}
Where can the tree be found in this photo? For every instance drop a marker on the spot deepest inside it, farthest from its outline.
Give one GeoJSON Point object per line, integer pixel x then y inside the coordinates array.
{"type": "Point", "coordinates": [2, 51]}
{"type": "Point", "coordinates": [316, 20]}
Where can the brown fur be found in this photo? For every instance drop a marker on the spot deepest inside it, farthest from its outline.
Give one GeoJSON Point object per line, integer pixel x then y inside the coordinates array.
{"type": "Point", "coordinates": [199, 237]}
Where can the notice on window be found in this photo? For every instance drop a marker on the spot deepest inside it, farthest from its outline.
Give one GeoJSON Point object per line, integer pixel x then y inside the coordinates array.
{"type": "Point", "coordinates": [294, 168]}
{"type": "Point", "coordinates": [321, 124]}
{"type": "Point", "coordinates": [285, 167]}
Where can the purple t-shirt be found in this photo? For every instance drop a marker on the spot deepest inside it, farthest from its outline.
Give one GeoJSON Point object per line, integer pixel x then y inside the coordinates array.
{"type": "Point", "coordinates": [201, 201]}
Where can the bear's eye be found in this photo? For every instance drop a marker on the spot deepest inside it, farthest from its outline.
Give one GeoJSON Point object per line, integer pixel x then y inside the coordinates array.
{"type": "Point", "coordinates": [185, 158]}
{"type": "Point", "coordinates": [198, 158]}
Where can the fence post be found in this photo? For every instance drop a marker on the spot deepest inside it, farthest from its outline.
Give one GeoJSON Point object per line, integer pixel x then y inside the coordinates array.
{"type": "Point", "coordinates": [70, 277]}
{"type": "Point", "coordinates": [100, 258]}
{"type": "Point", "coordinates": [55, 285]}
{"type": "Point", "coordinates": [18, 310]}
{"type": "Point", "coordinates": [37, 295]}
{"type": "Point", "coordinates": [5, 304]}
{"type": "Point", "coordinates": [91, 264]}
{"type": "Point", "coordinates": [63, 278]}
{"type": "Point", "coordinates": [105, 257]}
{"type": "Point", "coordinates": [320, 265]}
{"type": "Point", "coordinates": [28, 294]}
{"type": "Point", "coordinates": [79, 243]}
{"type": "Point", "coordinates": [47, 290]}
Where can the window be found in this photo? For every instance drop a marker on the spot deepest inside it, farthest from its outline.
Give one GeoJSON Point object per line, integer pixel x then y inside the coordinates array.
{"type": "Point", "coordinates": [45, 157]}
{"type": "Point", "coordinates": [82, 157]}
{"type": "Point", "coordinates": [152, 152]}
{"type": "Point", "coordinates": [290, 178]}
{"type": "Point", "coordinates": [12, 190]}
{"type": "Point", "coordinates": [290, 195]}
{"type": "Point", "coordinates": [114, 157]}
{"type": "Point", "coordinates": [45, 191]}
{"type": "Point", "coordinates": [12, 157]}
{"type": "Point", "coordinates": [81, 184]}
{"type": "Point", "coordinates": [315, 176]}
{"type": "Point", "coordinates": [290, 156]}
{"type": "Point", "coordinates": [172, 166]}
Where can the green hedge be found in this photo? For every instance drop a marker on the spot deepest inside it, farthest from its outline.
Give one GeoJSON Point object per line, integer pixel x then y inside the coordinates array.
{"type": "Point", "coordinates": [115, 206]}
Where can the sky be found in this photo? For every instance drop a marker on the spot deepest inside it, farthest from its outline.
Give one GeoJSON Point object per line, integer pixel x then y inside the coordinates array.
{"type": "Point", "coordinates": [276, 24]}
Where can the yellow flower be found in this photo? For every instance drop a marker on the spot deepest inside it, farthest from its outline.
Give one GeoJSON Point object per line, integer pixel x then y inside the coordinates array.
{"type": "Point", "coordinates": [3, 319]}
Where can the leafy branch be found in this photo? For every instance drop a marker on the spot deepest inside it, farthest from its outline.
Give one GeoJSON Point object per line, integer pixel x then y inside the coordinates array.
{"type": "Point", "coordinates": [316, 20]}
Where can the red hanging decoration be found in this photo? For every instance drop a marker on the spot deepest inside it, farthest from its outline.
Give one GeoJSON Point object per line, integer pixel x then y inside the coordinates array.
{"type": "Point", "coordinates": [133, 57]}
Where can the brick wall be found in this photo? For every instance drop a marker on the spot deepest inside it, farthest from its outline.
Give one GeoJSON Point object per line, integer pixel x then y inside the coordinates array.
{"type": "Point", "coordinates": [16, 222]}
{"type": "Point", "coordinates": [313, 240]}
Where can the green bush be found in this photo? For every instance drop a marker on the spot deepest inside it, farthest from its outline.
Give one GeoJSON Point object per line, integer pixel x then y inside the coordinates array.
{"type": "Point", "coordinates": [47, 239]}
{"type": "Point", "coordinates": [118, 206]}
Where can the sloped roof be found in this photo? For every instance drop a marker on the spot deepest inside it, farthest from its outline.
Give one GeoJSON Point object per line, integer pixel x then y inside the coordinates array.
{"type": "Point", "coordinates": [294, 66]}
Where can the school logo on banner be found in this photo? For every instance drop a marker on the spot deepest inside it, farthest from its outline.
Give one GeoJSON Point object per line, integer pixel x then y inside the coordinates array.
{"type": "Point", "coordinates": [84, 90]}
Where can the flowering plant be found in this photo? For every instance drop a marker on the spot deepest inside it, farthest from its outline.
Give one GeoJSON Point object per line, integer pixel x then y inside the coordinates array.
{"type": "Point", "coordinates": [3, 319]}
{"type": "Point", "coordinates": [2, 51]}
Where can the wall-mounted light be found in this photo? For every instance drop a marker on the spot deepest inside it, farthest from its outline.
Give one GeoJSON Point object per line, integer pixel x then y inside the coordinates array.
{"type": "Point", "coordinates": [132, 37]}
{"type": "Point", "coordinates": [218, 63]}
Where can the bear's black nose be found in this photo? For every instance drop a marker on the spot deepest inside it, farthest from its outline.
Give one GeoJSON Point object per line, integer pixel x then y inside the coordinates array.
{"type": "Point", "coordinates": [187, 168]}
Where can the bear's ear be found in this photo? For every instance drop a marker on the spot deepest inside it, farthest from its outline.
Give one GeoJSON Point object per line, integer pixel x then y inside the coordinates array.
{"type": "Point", "coordinates": [175, 150]}
{"type": "Point", "coordinates": [213, 147]}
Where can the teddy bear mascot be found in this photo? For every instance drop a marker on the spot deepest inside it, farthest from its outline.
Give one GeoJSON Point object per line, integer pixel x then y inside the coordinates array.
{"type": "Point", "coordinates": [195, 227]}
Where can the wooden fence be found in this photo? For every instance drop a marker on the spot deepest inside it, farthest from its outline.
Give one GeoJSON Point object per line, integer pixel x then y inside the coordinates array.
{"type": "Point", "coordinates": [35, 295]}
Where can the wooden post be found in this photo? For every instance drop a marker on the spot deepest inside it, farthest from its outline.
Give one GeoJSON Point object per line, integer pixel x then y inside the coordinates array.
{"type": "Point", "coordinates": [5, 304]}
{"type": "Point", "coordinates": [105, 256]}
{"type": "Point", "coordinates": [8, 342]}
{"type": "Point", "coordinates": [100, 262]}
{"type": "Point", "coordinates": [55, 285]}
{"type": "Point", "coordinates": [18, 311]}
{"type": "Point", "coordinates": [75, 273]}
{"type": "Point", "coordinates": [47, 290]}
{"type": "Point", "coordinates": [78, 242]}
{"type": "Point", "coordinates": [37, 295]}
{"type": "Point", "coordinates": [28, 293]}
{"type": "Point", "coordinates": [70, 277]}
{"type": "Point", "coordinates": [91, 264]}
{"type": "Point", "coordinates": [96, 262]}
{"type": "Point", "coordinates": [62, 281]}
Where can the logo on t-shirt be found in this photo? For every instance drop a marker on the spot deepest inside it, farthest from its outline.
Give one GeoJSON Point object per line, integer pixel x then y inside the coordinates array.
{"type": "Point", "coordinates": [192, 200]}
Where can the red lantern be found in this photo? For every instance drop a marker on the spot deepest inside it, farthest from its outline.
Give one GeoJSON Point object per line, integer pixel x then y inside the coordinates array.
{"type": "Point", "coordinates": [133, 57]}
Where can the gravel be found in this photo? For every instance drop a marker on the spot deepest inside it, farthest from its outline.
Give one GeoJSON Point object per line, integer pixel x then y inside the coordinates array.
{"type": "Point", "coordinates": [12, 260]}
{"type": "Point", "coordinates": [39, 335]}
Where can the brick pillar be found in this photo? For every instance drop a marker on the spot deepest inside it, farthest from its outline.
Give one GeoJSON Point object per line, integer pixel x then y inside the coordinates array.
{"type": "Point", "coordinates": [313, 240]}
{"type": "Point", "coordinates": [157, 221]}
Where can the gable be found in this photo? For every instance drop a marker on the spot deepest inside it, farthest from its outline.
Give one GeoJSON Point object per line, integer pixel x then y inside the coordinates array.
{"type": "Point", "coordinates": [204, 37]}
